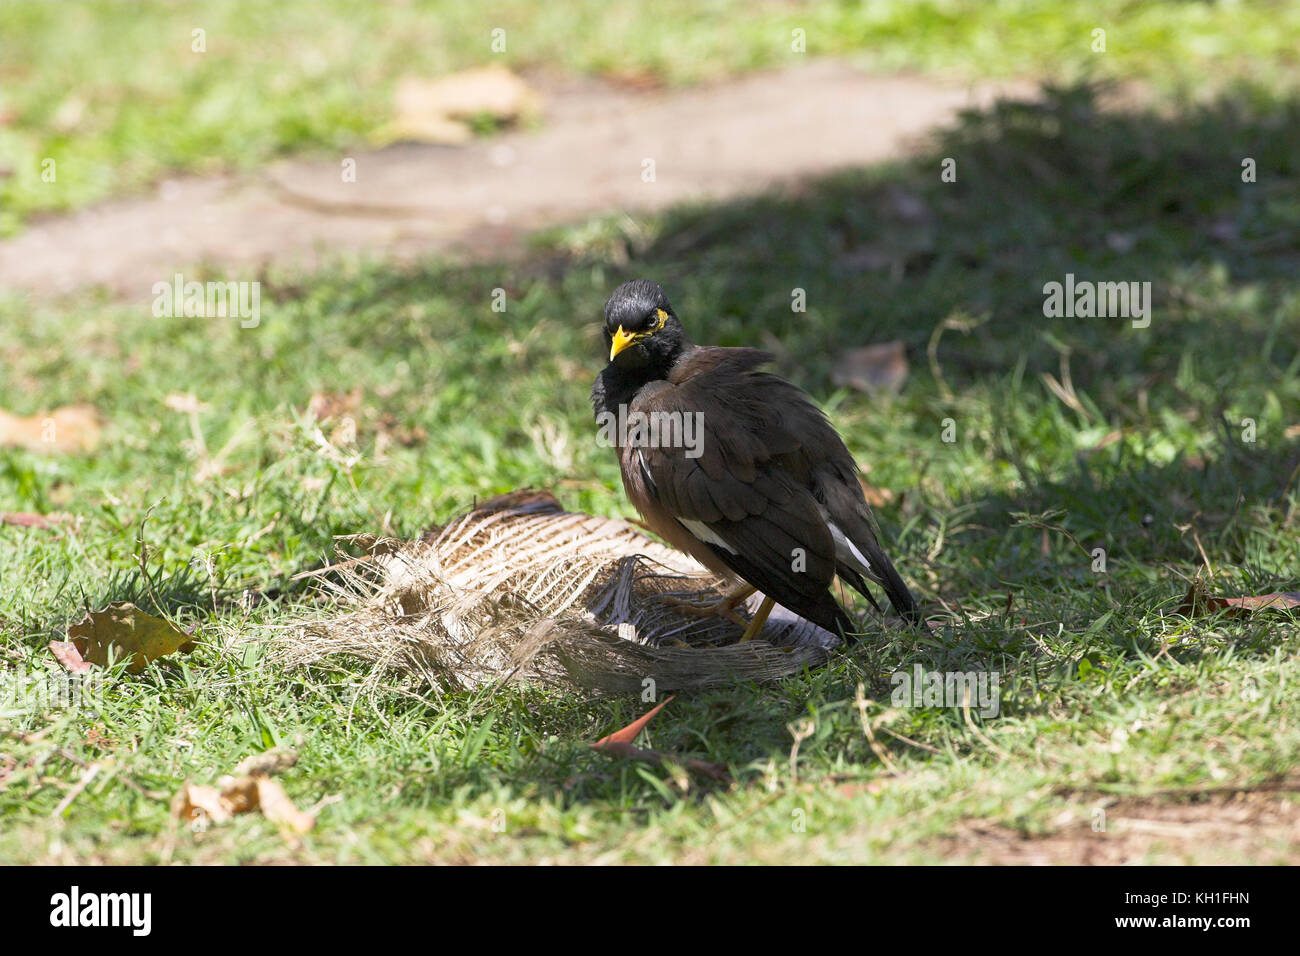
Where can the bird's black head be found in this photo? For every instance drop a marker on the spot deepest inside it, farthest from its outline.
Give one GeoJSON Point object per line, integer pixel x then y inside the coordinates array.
{"type": "Point", "coordinates": [641, 329]}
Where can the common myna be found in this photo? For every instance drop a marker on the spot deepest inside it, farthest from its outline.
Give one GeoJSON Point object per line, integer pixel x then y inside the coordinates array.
{"type": "Point", "coordinates": [737, 467]}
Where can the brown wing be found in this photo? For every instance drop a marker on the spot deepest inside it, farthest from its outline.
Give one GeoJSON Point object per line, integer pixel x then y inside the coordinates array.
{"type": "Point", "coordinates": [745, 491]}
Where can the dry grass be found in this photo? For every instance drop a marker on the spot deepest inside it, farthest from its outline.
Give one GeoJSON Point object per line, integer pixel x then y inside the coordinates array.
{"type": "Point", "coordinates": [520, 589]}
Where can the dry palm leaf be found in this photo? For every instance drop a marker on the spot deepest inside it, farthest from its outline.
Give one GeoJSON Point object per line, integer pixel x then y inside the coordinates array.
{"type": "Point", "coordinates": [520, 589]}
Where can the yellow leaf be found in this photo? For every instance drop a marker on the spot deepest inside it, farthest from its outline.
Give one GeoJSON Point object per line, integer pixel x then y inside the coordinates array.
{"type": "Point", "coordinates": [123, 629]}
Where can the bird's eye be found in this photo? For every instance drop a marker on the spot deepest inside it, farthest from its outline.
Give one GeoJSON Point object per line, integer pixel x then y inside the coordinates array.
{"type": "Point", "coordinates": [654, 320]}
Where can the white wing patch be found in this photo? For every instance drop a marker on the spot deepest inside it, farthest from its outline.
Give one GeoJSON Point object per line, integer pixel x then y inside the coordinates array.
{"type": "Point", "coordinates": [705, 533]}
{"type": "Point", "coordinates": [645, 470]}
{"type": "Point", "coordinates": [847, 553]}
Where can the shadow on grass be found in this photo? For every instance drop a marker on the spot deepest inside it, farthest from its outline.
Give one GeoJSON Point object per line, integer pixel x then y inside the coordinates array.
{"type": "Point", "coordinates": [1138, 449]}
{"type": "Point", "coordinates": [1147, 454]}
{"type": "Point", "coordinates": [1044, 188]}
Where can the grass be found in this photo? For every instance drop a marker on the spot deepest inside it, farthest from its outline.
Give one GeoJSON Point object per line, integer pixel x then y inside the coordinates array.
{"type": "Point", "coordinates": [120, 100]}
{"type": "Point", "coordinates": [1107, 693]}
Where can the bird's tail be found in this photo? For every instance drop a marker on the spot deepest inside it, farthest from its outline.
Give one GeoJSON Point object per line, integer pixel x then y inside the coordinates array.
{"type": "Point", "coordinates": [880, 570]}
{"type": "Point", "coordinates": [899, 595]}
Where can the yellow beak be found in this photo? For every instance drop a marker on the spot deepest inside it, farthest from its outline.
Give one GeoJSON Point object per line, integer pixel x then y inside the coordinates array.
{"type": "Point", "coordinates": [621, 341]}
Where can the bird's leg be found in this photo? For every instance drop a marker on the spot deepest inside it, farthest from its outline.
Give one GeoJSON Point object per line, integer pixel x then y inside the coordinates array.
{"type": "Point", "coordinates": [724, 606]}
{"type": "Point", "coordinates": [756, 625]}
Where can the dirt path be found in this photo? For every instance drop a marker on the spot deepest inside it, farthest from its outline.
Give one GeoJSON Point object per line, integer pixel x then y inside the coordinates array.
{"type": "Point", "coordinates": [586, 157]}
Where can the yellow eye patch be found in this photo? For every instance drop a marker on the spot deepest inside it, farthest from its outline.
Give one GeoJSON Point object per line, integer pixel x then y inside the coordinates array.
{"type": "Point", "coordinates": [622, 340]}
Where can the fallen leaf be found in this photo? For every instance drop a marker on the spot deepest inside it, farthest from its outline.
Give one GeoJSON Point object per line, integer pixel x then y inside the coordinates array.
{"type": "Point", "coordinates": [66, 653]}
{"type": "Point", "coordinates": [193, 802]}
{"type": "Point", "coordinates": [250, 788]}
{"type": "Point", "coordinates": [124, 629]}
{"type": "Point", "coordinates": [341, 408]}
{"type": "Point", "coordinates": [634, 79]}
{"type": "Point", "coordinates": [269, 762]}
{"type": "Point", "coordinates": [73, 428]}
{"type": "Point", "coordinates": [632, 730]}
{"type": "Point", "coordinates": [278, 808]}
{"type": "Point", "coordinates": [186, 403]}
{"type": "Point", "coordinates": [619, 744]}
{"type": "Point", "coordinates": [872, 368]}
{"type": "Point", "coordinates": [436, 111]}
{"type": "Point", "coordinates": [850, 790]}
{"type": "Point", "coordinates": [95, 737]}
{"type": "Point", "coordinates": [327, 406]}
{"type": "Point", "coordinates": [27, 519]}
{"type": "Point", "coordinates": [1197, 602]}
{"type": "Point", "coordinates": [239, 794]}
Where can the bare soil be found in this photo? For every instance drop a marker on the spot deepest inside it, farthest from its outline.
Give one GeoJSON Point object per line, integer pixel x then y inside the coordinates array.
{"type": "Point", "coordinates": [586, 156]}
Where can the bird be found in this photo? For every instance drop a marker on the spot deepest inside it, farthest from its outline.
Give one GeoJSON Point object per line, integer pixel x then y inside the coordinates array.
{"type": "Point", "coordinates": [744, 471]}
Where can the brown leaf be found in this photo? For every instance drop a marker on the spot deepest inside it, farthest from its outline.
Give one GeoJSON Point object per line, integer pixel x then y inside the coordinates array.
{"type": "Point", "coordinates": [434, 111]}
{"type": "Point", "coordinates": [239, 794]}
{"type": "Point", "coordinates": [1197, 602]}
{"type": "Point", "coordinates": [245, 792]}
{"type": "Point", "coordinates": [327, 406]}
{"type": "Point", "coordinates": [95, 737]}
{"type": "Point", "coordinates": [278, 808]}
{"type": "Point", "coordinates": [123, 629]}
{"type": "Point", "coordinates": [73, 428]}
{"type": "Point", "coordinates": [272, 761]}
{"type": "Point", "coordinates": [638, 80]}
{"type": "Point", "coordinates": [872, 368]}
{"type": "Point", "coordinates": [66, 653]}
{"type": "Point", "coordinates": [850, 790]}
{"type": "Point", "coordinates": [28, 519]}
{"type": "Point", "coordinates": [193, 802]}
{"type": "Point", "coordinates": [630, 732]}
{"type": "Point", "coordinates": [1277, 601]}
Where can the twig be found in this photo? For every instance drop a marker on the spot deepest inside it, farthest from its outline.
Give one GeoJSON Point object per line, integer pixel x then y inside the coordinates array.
{"type": "Point", "coordinates": [860, 699]}
{"type": "Point", "coordinates": [87, 775]}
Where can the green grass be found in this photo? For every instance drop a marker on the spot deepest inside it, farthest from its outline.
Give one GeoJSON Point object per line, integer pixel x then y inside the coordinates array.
{"type": "Point", "coordinates": [1107, 693]}
{"type": "Point", "coordinates": [118, 98]}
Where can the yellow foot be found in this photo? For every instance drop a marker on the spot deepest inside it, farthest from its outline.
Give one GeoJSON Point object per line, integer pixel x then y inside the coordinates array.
{"type": "Point", "coordinates": [756, 625]}
{"type": "Point", "coordinates": [722, 607]}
